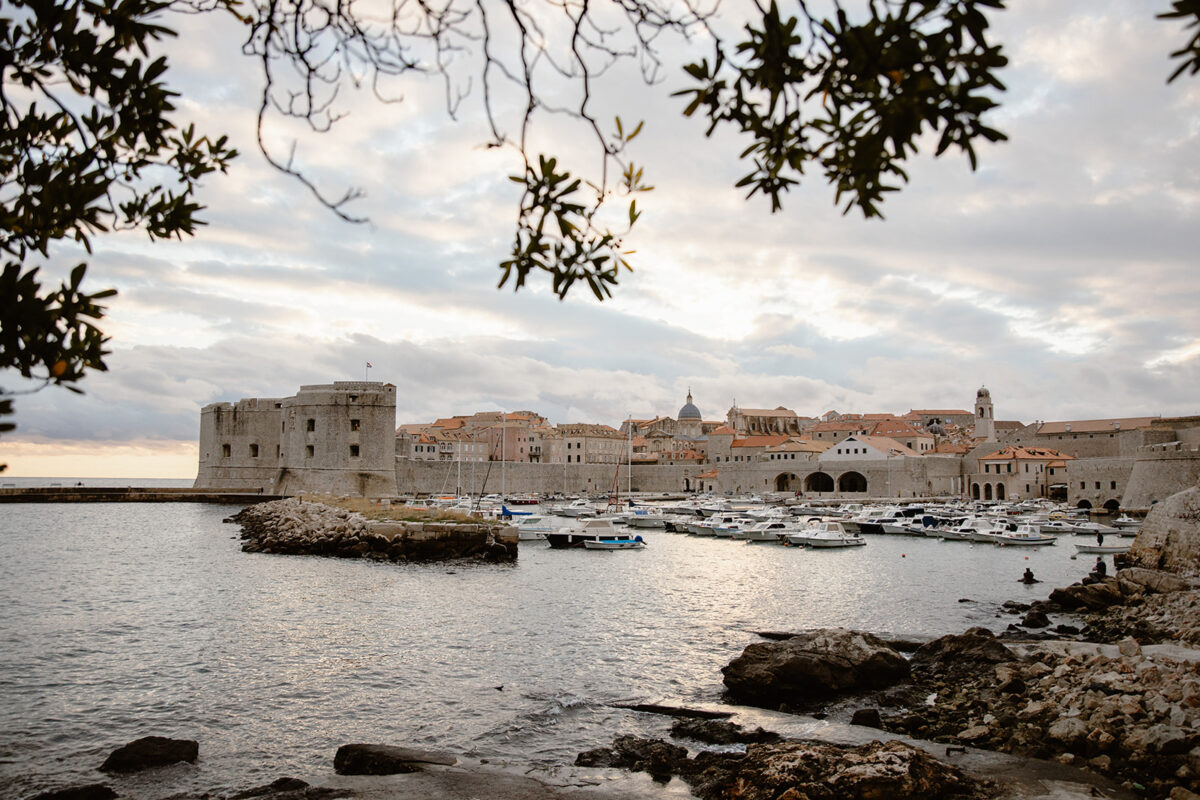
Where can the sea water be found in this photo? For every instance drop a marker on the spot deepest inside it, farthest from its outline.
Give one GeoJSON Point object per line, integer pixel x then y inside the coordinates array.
{"type": "Point", "coordinates": [119, 621]}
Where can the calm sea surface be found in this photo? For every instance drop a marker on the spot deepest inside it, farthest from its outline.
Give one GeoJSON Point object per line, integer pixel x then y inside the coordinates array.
{"type": "Point", "coordinates": [124, 620]}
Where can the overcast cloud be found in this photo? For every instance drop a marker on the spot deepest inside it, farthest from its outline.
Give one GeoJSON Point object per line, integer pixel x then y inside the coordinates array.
{"type": "Point", "coordinates": [1062, 274]}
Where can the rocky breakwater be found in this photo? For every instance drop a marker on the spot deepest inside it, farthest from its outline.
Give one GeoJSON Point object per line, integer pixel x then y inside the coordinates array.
{"type": "Point", "coordinates": [298, 527]}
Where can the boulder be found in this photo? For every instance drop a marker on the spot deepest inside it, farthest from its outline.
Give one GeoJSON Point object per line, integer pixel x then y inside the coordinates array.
{"type": "Point", "coordinates": [150, 751]}
{"type": "Point", "coordinates": [975, 645]}
{"type": "Point", "coordinates": [812, 665]}
{"type": "Point", "coordinates": [383, 759]}
{"type": "Point", "coordinates": [1169, 538]}
{"type": "Point", "coordinates": [277, 787]}
{"type": "Point", "coordinates": [1153, 580]}
{"type": "Point", "coordinates": [1035, 619]}
{"type": "Point", "coordinates": [1092, 596]}
{"type": "Point", "coordinates": [867, 718]}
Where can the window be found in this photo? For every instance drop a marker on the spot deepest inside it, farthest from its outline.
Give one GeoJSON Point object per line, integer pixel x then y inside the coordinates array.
{"type": "Point", "coordinates": [225, 451]}
{"type": "Point", "coordinates": [254, 451]}
{"type": "Point", "coordinates": [1097, 484]}
{"type": "Point", "coordinates": [1082, 484]}
{"type": "Point", "coordinates": [308, 449]}
{"type": "Point", "coordinates": [354, 451]}
{"type": "Point", "coordinates": [311, 425]}
{"type": "Point", "coordinates": [1113, 485]}
{"type": "Point", "coordinates": [277, 451]}
{"type": "Point", "coordinates": [355, 425]}
{"type": "Point", "coordinates": [1009, 467]}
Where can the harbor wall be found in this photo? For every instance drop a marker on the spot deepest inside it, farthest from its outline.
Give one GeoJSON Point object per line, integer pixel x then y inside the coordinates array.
{"type": "Point", "coordinates": [1098, 482]}
{"type": "Point", "coordinates": [1161, 471]}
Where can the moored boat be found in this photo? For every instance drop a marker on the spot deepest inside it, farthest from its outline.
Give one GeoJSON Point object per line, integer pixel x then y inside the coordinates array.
{"type": "Point", "coordinates": [617, 543]}
{"type": "Point", "coordinates": [586, 530]}
{"type": "Point", "coordinates": [1103, 549]}
{"type": "Point", "coordinates": [1025, 536]}
{"type": "Point", "coordinates": [828, 533]}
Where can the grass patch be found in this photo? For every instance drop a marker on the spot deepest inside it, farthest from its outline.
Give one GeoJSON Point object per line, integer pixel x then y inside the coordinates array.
{"type": "Point", "coordinates": [371, 509]}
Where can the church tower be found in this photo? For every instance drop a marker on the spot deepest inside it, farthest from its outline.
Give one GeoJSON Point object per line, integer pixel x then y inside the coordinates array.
{"type": "Point", "coordinates": [985, 416]}
{"type": "Point", "coordinates": [689, 419]}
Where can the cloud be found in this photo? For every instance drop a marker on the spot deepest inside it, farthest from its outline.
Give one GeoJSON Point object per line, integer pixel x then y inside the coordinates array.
{"type": "Point", "coordinates": [1061, 274]}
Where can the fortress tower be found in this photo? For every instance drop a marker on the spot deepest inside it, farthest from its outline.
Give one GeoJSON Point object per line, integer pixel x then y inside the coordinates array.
{"type": "Point", "coordinates": [985, 416]}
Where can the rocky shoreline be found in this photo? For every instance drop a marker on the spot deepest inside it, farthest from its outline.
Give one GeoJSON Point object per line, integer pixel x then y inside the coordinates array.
{"type": "Point", "coordinates": [298, 527]}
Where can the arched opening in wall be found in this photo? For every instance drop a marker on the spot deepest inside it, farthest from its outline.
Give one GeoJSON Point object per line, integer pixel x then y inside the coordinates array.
{"type": "Point", "coordinates": [1112, 506]}
{"type": "Point", "coordinates": [818, 482]}
{"type": "Point", "coordinates": [999, 491]}
{"type": "Point", "coordinates": [787, 482]}
{"type": "Point", "coordinates": [987, 491]}
{"type": "Point", "coordinates": [974, 491]}
{"type": "Point", "coordinates": [852, 482]}
{"type": "Point", "coordinates": [687, 484]}
{"type": "Point", "coordinates": [1083, 504]}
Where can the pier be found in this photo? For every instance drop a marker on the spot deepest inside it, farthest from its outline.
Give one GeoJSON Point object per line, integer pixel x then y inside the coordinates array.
{"type": "Point", "coordinates": [129, 494]}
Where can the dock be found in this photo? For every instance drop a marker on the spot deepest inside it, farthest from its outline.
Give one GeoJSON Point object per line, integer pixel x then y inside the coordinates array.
{"type": "Point", "coordinates": [129, 494]}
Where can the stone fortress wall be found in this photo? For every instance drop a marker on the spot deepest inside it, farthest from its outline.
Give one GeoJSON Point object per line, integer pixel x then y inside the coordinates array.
{"type": "Point", "coordinates": [334, 439]}
{"type": "Point", "coordinates": [340, 438]}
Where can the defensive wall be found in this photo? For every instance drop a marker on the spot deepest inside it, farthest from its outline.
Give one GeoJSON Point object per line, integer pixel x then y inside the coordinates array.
{"type": "Point", "coordinates": [1160, 471]}
{"type": "Point", "coordinates": [330, 438]}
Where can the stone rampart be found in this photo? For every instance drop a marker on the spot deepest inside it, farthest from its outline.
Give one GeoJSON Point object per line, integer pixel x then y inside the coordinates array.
{"type": "Point", "coordinates": [1098, 482]}
{"type": "Point", "coordinates": [1159, 472]}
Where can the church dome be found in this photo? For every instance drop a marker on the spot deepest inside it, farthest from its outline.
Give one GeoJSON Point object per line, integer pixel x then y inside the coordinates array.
{"type": "Point", "coordinates": [688, 411]}
{"type": "Point", "coordinates": [983, 392]}
{"type": "Point", "coordinates": [936, 429]}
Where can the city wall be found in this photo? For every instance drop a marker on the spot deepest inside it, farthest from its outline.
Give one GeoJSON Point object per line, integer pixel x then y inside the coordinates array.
{"type": "Point", "coordinates": [1159, 472]}
{"type": "Point", "coordinates": [1098, 482]}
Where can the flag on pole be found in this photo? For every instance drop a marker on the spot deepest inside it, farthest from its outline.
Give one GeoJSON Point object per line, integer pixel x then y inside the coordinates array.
{"type": "Point", "coordinates": [370, 365]}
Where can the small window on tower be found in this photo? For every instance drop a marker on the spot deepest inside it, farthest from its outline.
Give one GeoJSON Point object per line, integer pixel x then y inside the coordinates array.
{"type": "Point", "coordinates": [354, 451]}
{"type": "Point", "coordinates": [355, 425]}
{"type": "Point", "coordinates": [308, 451]}
{"type": "Point", "coordinates": [225, 451]}
{"type": "Point", "coordinates": [311, 425]}
{"type": "Point", "coordinates": [254, 451]}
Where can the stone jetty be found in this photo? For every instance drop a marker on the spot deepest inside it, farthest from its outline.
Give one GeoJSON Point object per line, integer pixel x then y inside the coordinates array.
{"type": "Point", "coordinates": [298, 527]}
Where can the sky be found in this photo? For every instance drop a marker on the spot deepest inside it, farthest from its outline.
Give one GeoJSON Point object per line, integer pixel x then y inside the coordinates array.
{"type": "Point", "coordinates": [1062, 274]}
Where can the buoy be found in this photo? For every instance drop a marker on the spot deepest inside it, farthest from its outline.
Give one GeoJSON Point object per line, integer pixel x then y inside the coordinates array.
{"type": "Point", "coordinates": [904, 555]}
{"type": "Point", "coordinates": [1026, 558]}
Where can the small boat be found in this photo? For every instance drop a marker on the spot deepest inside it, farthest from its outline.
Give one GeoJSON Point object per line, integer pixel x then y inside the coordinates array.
{"type": "Point", "coordinates": [1025, 536]}
{"type": "Point", "coordinates": [530, 528]}
{"type": "Point", "coordinates": [618, 543]}
{"type": "Point", "coordinates": [1103, 549]}
{"type": "Point", "coordinates": [577, 508]}
{"type": "Point", "coordinates": [828, 533]}
{"type": "Point", "coordinates": [1126, 522]}
{"type": "Point", "coordinates": [584, 531]}
{"type": "Point", "coordinates": [769, 530]}
{"type": "Point", "coordinates": [642, 518]}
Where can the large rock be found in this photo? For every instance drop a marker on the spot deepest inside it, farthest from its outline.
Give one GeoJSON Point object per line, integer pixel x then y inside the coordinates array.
{"type": "Point", "coordinates": [1169, 539]}
{"type": "Point", "coordinates": [794, 770]}
{"type": "Point", "coordinates": [811, 666]}
{"type": "Point", "coordinates": [383, 759]}
{"type": "Point", "coordinates": [1091, 596]}
{"type": "Point", "coordinates": [92, 791]}
{"type": "Point", "coordinates": [975, 645]}
{"type": "Point", "coordinates": [1153, 580]}
{"type": "Point", "coordinates": [639, 755]}
{"type": "Point", "coordinates": [150, 751]}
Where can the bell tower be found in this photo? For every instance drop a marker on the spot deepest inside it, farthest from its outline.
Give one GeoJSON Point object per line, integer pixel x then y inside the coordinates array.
{"type": "Point", "coordinates": [985, 416]}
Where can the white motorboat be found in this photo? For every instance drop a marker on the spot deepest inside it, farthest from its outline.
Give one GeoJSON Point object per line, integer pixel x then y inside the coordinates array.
{"type": "Point", "coordinates": [576, 508]}
{"type": "Point", "coordinates": [723, 525]}
{"type": "Point", "coordinates": [532, 528]}
{"type": "Point", "coordinates": [582, 531]}
{"type": "Point", "coordinates": [618, 543]}
{"type": "Point", "coordinates": [644, 518]}
{"type": "Point", "coordinates": [1057, 526]}
{"type": "Point", "coordinates": [770, 530]}
{"type": "Point", "coordinates": [1025, 536]}
{"type": "Point", "coordinates": [827, 533]}
{"type": "Point", "coordinates": [1126, 522]}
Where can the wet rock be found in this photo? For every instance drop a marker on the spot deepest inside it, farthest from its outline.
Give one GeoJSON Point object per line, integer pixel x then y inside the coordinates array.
{"type": "Point", "coordinates": [639, 755]}
{"type": "Point", "coordinates": [867, 718]}
{"type": "Point", "coordinates": [719, 732]}
{"type": "Point", "coordinates": [1066, 630]}
{"type": "Point", "coordinates": [1153, 580]}
{"type": "Point", "coordinates": [92, 791]}
{"type": "Point", "coordinates": [1035, 619]}
{"type": "Point", "coordinates": [812, 665]}
{"type": "Point", "coordinates": [150, 751]}
{"type": "Point", "coordinates": [284, 789]}
{"type": "Point", "coordinates": [382, 759]}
